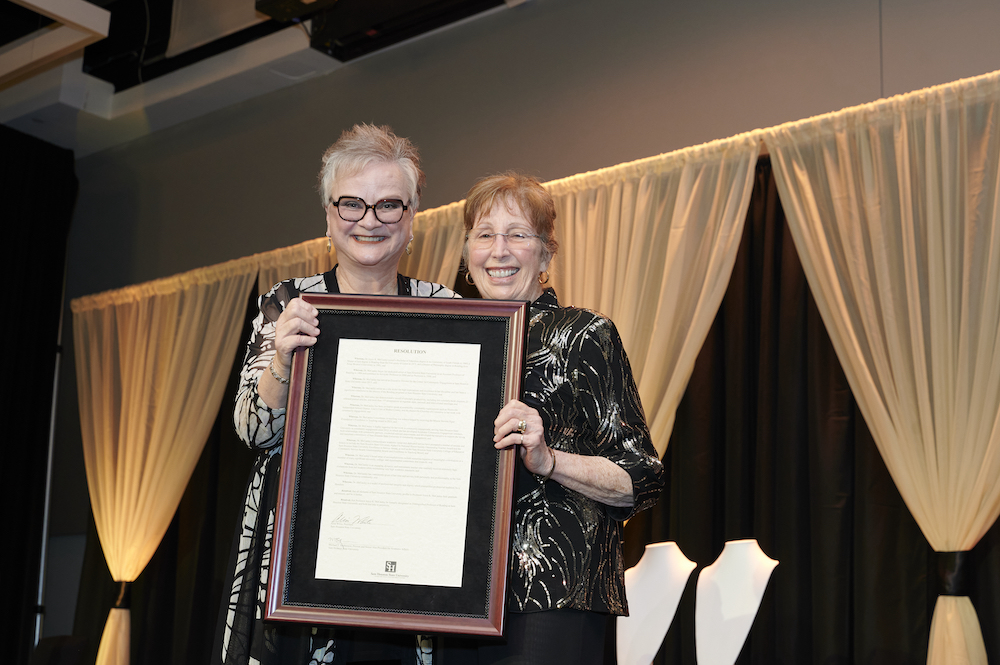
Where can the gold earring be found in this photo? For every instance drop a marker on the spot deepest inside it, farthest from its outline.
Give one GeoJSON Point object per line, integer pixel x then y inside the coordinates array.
{"type": "Point", "coordinates": [468, 279]}
{"type": "Point", "coordinates": [543, 281]}
{"type": "Point", "coordinates": [329, 245]}
{"type": "Point", "coordinates": [409, 246]}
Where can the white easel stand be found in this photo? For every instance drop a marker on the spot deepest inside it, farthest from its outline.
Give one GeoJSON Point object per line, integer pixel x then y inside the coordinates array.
{"type": "Point", "coordinates": [653, 587]}
{"type": "Point", "coordinates": [729, 595]}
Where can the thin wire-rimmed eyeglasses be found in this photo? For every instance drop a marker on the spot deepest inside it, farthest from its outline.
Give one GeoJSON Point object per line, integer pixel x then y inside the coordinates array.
{"type": "Point", "coordinates": [352, 209]}
{"type": "Point", "coordinates": [484, 239]}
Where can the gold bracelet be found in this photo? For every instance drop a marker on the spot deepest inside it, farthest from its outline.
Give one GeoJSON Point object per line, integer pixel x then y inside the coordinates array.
{"type": "Point", "coordinates": [549, 474]}
{"type": "Point", "coordinates": [277, 377]}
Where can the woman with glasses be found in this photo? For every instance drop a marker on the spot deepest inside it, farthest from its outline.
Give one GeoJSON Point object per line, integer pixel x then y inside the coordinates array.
{"type": "Point", "coordinates": [587, 460]}
{"type": "Point", "coordinates": [370, 187]}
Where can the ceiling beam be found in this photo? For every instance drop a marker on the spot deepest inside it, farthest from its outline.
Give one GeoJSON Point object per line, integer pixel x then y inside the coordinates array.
{"type": "Point", "coordinates": [79, 23]}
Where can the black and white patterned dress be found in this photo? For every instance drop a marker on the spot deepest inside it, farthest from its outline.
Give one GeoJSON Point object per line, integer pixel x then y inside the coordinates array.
{"type": "Point", "coordinates": [243, 638]}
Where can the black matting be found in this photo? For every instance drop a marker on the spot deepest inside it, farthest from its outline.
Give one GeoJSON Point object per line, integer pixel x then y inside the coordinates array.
{"type": "Point", "coordinates": [501, 357]}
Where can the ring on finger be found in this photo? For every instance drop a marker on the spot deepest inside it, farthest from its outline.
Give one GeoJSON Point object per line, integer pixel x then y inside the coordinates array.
{"type": "Point", "coordinates": [522, 426]}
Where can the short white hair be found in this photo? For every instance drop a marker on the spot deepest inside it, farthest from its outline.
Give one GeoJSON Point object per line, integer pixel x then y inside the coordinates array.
{"type": "Point", "coordinates": [364, 144]}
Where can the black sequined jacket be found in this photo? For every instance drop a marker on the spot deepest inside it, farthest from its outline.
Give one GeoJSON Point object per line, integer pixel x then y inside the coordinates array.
{"type": "Point", "coordinates": [566, 550]}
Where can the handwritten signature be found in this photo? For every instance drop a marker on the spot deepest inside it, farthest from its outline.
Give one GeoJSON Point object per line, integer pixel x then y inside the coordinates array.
{"type": "Point", "coordinates": [351, 520]}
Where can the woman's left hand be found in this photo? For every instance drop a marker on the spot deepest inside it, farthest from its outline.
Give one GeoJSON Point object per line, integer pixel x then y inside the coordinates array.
{"type": "Point", "coordinates": [534, 451]}
{"type": "Point", "coordinates": [593, 476]}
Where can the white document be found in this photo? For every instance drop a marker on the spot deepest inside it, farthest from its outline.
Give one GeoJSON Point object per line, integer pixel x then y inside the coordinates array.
{"type": "Point", "coordinates": [395, 496]}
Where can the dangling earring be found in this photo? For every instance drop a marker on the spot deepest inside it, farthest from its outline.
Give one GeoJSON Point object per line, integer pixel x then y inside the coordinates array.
{"type": "Point", "coordinates": [468, 279]}
{"type": "Point", "coordinates": [409, 246]}
{"type": "Point", "coordinates": [543, 281]}
{"type": "Point", "coordinates": [329, 245]}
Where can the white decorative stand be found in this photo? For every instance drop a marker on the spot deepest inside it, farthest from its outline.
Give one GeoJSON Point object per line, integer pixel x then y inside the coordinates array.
{"type": "Point", "coordinates": [729, 595]}
{"type": "Point", "coordinates": [653, 587]}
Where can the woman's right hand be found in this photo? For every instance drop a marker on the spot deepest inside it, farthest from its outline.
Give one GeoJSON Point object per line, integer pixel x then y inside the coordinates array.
{"type": "Point", "coordinates": [297, 326]}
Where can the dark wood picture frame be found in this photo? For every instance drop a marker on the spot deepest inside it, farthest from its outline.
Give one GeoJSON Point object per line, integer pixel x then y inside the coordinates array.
{"type": "Point", "coordinates": [475, 608]}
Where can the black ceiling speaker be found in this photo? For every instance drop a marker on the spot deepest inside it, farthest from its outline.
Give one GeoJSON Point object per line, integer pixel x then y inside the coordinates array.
{"type": "Point", "coordinates": [352, 28]}
{"type": "Point", "coordinates": [289, 10]}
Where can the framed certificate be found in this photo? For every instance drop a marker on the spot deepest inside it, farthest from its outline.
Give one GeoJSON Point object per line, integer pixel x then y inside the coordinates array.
{"type": "Point", "coordinates": [394, 507]}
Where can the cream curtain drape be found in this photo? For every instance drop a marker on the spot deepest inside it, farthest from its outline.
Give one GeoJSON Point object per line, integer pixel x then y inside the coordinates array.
{"type": "Point", "coordinates": [302, 260]}
{"type": "Point", "coordinates": [893, 208]}
{"type": "Point", "coordinates": [652, 244]}
{"type": "Point", "coordinates": [152, 365]}
{"type": "Point", "coordinates": [438, 236]}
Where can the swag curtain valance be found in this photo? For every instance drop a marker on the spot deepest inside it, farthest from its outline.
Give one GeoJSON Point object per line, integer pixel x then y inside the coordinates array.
{"type": "Point", "coordinates": [894, 210]}
{"type": "Point", "coordinates": [652, 245]}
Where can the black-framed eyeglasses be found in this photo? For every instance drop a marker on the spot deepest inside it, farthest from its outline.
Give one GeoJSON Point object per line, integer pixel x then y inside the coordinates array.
{"type": "Point", "coordinates": [352, 209]}
{"type": "Point", "coordinates": [484, 239]}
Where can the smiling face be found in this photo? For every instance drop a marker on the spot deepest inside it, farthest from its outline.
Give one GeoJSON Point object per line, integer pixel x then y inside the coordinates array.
{"type": "Point", "coordinates": [502, 272]}
{"type": "Point", "coordinates": [368, 242]}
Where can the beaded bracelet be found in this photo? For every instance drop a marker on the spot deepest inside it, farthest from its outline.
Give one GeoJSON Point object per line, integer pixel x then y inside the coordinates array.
{"type": "Point", "coordinates": [277, 377]}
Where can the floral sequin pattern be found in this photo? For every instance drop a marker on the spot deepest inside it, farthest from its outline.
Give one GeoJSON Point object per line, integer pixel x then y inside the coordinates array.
{"type": "Point", "coordinates": [566, 546]}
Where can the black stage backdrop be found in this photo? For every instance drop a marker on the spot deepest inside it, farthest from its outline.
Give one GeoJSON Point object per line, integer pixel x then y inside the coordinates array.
{"type": "Point", "coordinates": [38, 188]}
{"type": "Point", "coordinates": [768, 444]}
